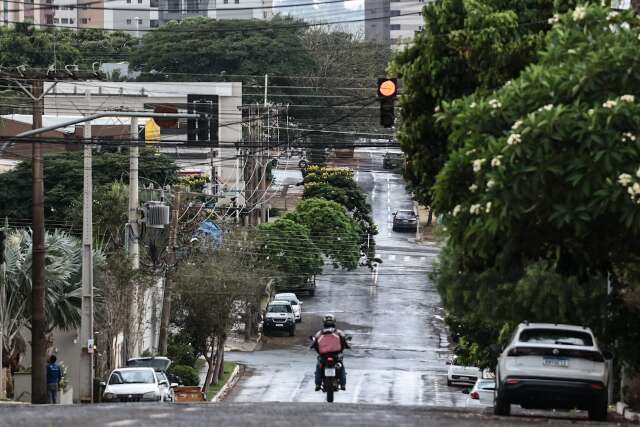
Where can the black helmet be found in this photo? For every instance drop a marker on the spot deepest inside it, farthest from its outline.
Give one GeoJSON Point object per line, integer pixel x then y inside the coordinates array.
{"type": "Point", "coordinates": [329, 321]}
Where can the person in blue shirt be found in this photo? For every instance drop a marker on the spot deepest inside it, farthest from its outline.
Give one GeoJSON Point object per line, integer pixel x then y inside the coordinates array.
{"type": "Point", "coordinates": [54, 376]}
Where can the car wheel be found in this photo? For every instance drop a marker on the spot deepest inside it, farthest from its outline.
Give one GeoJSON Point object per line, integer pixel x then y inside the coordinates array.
{"type": "Point", "coordinates": [501, 405]}
{"type": "Point", "coordinates": [292, 331]}
{"type": "Point", "coordinates": [598, 410]}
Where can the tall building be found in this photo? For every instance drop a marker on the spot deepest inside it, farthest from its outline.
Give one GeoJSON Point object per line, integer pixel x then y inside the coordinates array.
{"type": "Point", "coordinates": [376, 22]}
{"type": "Point", "coordinates": [133, 16]}
{"type": "Point", "coordinates": [406, 20]}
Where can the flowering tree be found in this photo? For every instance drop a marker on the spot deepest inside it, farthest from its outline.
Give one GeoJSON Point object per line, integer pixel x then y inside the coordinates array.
{"type": "Point", "coordinates": [544, 178]}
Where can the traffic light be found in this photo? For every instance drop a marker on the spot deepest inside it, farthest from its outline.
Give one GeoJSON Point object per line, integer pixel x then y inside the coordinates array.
{"type": "Point", "coordinates": [387, 91]}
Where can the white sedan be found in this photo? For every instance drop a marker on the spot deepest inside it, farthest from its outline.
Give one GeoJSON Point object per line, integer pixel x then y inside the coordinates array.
{"type": "Point", "coordinates": [481, 395]}
{"type": "Point", "coordinates": [296, 304]}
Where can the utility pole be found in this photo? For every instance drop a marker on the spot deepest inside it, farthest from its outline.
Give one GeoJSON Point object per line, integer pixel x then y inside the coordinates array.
{"type": "Point", "coordinates": [38, 316]}
{"type": "Point", "coordinates": [133, 234]}
{"type": "Point", "coordinates": [86, 324]}
{"type": "Point", "coordinates": [3, 281]}
{"type": "Point", "coordinates": [166, 300]}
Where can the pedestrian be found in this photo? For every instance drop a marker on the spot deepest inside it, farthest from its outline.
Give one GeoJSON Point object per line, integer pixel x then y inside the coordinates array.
{"type": "Point", "coordinates": [54, 376]}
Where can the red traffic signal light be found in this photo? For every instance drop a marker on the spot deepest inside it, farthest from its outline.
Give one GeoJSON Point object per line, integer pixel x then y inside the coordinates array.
{"type": "Point", "coordinates": [387, 88]}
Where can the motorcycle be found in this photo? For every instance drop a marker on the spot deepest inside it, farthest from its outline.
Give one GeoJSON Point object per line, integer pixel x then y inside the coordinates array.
{"type": "Point", "coordinates": [330, 365]}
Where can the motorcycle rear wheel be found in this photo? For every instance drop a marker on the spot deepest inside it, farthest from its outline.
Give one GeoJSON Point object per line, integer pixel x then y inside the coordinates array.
{"type": "Point", "coordinates": [328, 387]}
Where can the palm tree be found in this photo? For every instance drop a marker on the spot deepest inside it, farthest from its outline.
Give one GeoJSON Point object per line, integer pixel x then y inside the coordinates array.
{"type": "Point", "coordinates": [63, 287]}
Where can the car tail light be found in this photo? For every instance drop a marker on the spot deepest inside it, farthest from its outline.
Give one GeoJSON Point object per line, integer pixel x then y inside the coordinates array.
{"type": "Point", "coordinates": [597, 386]}
{"type": "Point", "coordinates": [512, 381]}
{"type": "Point", "coordinates": [474, 395]}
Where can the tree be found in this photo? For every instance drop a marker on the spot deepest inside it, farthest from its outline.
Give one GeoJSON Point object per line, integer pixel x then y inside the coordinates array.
{"type": "Point", "coordinates": [465, 46]}
{"type": "Point", "coordinates": [211, 288]}
{"type": "Point", "coordinates": [339, 185]}
{"type": "Point", "coordinates": [63, 180]}
{"type": "Point", "coordinates": [540, 196]}
{"type": "Point", "coordinates": [335, 233]}
{"type": "Point", "coordinates": [288, 248]}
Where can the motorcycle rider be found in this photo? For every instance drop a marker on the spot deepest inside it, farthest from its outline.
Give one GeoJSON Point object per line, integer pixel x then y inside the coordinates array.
{"type": "Point", "coordinates": [328, 328]}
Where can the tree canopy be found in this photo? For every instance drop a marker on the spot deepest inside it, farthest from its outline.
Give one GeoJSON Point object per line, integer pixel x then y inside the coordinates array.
{"type": "Point", "coordinates": [540, 194]}
{"type": "Point", "coordinates": [466, 45]}
{"type": "Point", "coordinates": [63, 180]}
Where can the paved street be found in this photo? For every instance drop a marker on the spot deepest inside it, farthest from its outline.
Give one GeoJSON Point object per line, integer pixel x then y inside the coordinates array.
{"type": "Point", "coordinates": [395, 318]}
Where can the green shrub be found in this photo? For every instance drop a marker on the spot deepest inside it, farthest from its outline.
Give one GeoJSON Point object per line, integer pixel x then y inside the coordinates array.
{"type": "Point", "coordinates": [188, 375]}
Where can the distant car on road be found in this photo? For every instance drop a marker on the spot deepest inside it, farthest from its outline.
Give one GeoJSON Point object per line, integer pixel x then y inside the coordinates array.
{"type": "Point", "coordinates": [551, 366]}
{"type": "Point", "coordinates": [296, 304]}
{"type": "Point", "coordinates": [132, 385]}
{"type": "Point", "coordinates": [405, 219]}
{"type": "Point", "coordinates": [392, 160]}
{"type": "Point", "coordinates": [279, 317]}
{"type": "Point", "coordinates": [461, 374]}
{"type": "Point", "coordinates": [481, 395]}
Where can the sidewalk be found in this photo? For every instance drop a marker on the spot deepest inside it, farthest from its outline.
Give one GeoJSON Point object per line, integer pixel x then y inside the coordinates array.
{"type": "Point", "coordinates": [238, 343]}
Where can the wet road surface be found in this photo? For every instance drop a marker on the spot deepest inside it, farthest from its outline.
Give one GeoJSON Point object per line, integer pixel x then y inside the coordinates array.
{"type": "Point", "coordinates": [394, 315]}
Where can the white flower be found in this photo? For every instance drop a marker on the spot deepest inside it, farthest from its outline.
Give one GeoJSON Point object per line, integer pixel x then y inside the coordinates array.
{"type": "Point", "coordinates": [636, 188]}
{"type": "Point", "coordinates": [638, 36]}
{"type": "Point", "coordinates": [490, 184]}
{"type": "Point", "coordinates": [473, 188]}
{"type": "Point", "coordinates": [470, 152]}
{"type": "Point", "coordinates": [496, 161]}
{"type": "Point", "coordinates": [494, 103]}
{"type": "Point", "coordinates": [624, 179]}
{"type": "Point", "coordinates": [610, 104]}
{"type": "Point", "coordinates": [591, 111]}
{"type": "Point", "coordinates": [437, 109]}
{"type": "Point", "coordinates": [627, 98]}
{"type": "Point", "coordinates": [477, 164]}
{"type": "Point", "coordinates": [554, 19]}
{"type": "Point", "coordinates": [612, 15]}
{"type": "Point", "coordinates": [517, 124]}
{"type": "Point", "coordinates": [473, 105]}
{"type": "Point", "coordinates": [514, 139]}
{"type": "Point", "coordinates": [625, 26]}
{"type": "Point", "coordinates": [579, 13]}
{"type": "Point", "coordinates": [547, 107]}
{"type": "Point", "coordinates": [508, 83]}
{"type": "Point", "coordinates": [488, 207]}
{"type": "Point", "coordinates": [571, 51]}
{"type": "Point", "coordinates": [628, 136]}
{"type": "Point", "coordinates": [638, 173]}
{"type": "Point", "coordinates": [630, 191]}
{"type": "Point", "coordinates": [475, 209]}
{"type": "Point", "coordinates": [456, 210]}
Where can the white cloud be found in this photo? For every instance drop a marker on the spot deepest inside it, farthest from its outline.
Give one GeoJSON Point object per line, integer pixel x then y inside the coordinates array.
{"type": "Point", "coordinates": [354, 5]}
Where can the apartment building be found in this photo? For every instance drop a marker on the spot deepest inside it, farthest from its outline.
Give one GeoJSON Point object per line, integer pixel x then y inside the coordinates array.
{"type": "Point", "coordinates": [376, 22]}
{"type": "Point", "coordinates": [133, 16]}
{"type": "Point", "coordinates": [405, 21]}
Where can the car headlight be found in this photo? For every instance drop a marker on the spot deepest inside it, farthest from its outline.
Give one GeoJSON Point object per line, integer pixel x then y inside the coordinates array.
{"type": "Point", "coordinates": [150, 395]}
{"type": "Point", "coordinates": [109, 396]}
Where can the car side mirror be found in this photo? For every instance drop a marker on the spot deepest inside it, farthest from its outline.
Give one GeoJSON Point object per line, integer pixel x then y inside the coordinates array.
{"type": "Point", "coordinates": [607, 355]}
{"type": "Point", "coordinates": [174, 385]}
{"type": "Point", "coordinates": [466, 391]}
{"type": "Point", "coordinates": [164, 383]}
{"type": "Point", "coordinates": [103, 384]}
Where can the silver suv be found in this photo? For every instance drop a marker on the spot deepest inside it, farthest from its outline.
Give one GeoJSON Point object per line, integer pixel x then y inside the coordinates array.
{"type": "Point", "coordinates": [551, 366]}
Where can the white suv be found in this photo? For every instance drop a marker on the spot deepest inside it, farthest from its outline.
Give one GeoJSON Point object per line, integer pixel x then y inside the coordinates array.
{"type": "Point", "coordinates": [550, 366]}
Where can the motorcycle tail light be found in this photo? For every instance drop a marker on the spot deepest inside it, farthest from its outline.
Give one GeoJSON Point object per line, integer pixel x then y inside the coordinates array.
{"type": "Point", "coordinates": [330, 359]}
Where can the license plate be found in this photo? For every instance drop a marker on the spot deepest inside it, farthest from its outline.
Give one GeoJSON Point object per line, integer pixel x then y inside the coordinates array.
{"type": "Point", "coordinates": [555, 362]}
{"type": "Point", "coordinates": [330, 372]}
{"type": "Point", "coordinates": [279, 325]}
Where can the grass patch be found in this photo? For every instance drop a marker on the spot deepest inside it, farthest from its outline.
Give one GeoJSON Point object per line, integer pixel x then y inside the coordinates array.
{"type": "Point", "coordinates": [213, 389]}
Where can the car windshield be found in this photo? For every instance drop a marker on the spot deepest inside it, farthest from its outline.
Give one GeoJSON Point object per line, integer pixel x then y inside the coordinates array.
{"type": "Point", "coordinates": [405, 214]}
{"type": "Point", "coordinates": [132, 377]}
{"type": "Point", "coordinates": [279, 308]}
{"type": "Point", "coordinates": [291, 298]}
{"type": "Point", "coordinates": [555, 336]}
{"type": "Point", "coordinates": [393, 155]}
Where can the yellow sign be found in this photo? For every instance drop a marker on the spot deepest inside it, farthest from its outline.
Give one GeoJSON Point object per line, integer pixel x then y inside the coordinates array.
{"type": "Point", "coordinates": [151, 131]}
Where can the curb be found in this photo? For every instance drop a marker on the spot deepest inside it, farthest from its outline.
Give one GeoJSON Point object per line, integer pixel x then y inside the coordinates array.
{"type": "Point", "coordinates": [623, 410]}
{"type": "Point", "coordinates": [231, 382]}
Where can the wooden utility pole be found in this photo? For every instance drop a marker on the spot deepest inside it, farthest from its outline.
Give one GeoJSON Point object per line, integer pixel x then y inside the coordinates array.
{"type": "Point", "coordinates": [38, 316]}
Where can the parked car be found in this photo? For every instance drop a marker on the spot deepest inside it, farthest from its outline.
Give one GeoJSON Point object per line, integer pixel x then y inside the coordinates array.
{"type": "Point", "coordinates": [405, 220]}
{"type": "Point", "coordinates": [296, 304]}
{"type": "Point", "coordinates": [159, 364]}
{"type": "Point", "coordinates": [551, 366]}
{"type": "Point", "coordinates": [132, 385]}
{"type": "Point", "coordinates": [279, 317]}
{"type": "Point", "coordinates": [392, 160]}
{"type": "Point", "coordinates": [167, 389]}
{"type": "Point", "coordinates": [461, 374]}
{"type": "Point", "coordinates": [481, 395]}
{"type": "Point", "coordinates": [297, 284]}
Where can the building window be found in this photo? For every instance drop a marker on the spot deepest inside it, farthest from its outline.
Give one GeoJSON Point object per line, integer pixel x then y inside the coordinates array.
{"type": "Point", "coordinates": [139, 1]}
{"type": "Point", "coordinates": [393, 27]}
{"type": "Point", "coordinates": [237, 1]}
{"type": "Point", "coordinates": [71, 21]}
{"type": "Point", "coordinates": [154, 23]}
{"type": "Point", "coordinates": [128, 21]}
{"type": "Point", "coordinates": [64, 21]}
{"type": "Point", "coordinates": [49, 20]}
{"type": "Point", "coordinates": [128, 1]}
{"type": "Point", "coordinates": [226, 1]}
{"type": "Point", "coordinates": [85, 21]}
{"type": "Point", "coordinates": [174, 6]}
{"type": "Point", "coordinates": [139, 21]}
{"type": "Point", "coordinates": [56, 21]}
{"type": "Point", "coordinates": [153, 3]}
{"type": "Point", "coordinates": [395, 13]}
